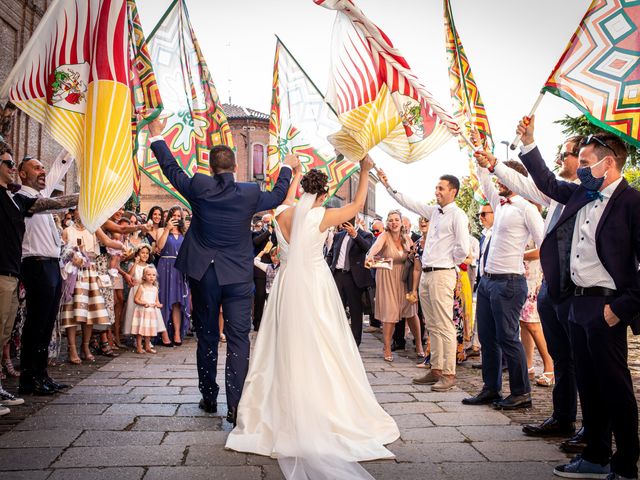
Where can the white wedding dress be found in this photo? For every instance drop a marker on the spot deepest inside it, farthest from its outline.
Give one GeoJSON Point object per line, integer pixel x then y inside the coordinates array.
{"type": "Point", "coordinates": [306, 399]}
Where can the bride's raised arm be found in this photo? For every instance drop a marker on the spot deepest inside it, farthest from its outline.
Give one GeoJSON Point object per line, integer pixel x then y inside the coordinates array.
{"type": "Point", "coordinates": [293, 186]}
{"type": "Point", "coordinates": [336, 216]}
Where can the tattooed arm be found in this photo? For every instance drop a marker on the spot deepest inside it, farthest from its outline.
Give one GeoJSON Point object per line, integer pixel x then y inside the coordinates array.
{"type": "Point", "coordinates": [43, 205]}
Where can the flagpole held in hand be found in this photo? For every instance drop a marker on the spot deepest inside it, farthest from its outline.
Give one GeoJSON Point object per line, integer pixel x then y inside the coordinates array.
{"type": "Point", "coordinates": [516, 140]}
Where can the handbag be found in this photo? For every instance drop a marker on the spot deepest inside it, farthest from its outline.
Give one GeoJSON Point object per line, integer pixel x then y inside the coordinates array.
{"type": "Point", "coordinates": [407, 272]}
{"type": "Point", "coordinates": [104, 280]}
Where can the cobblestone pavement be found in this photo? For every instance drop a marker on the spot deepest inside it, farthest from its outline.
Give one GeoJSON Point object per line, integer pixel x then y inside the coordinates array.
{"type": "Point", "coordinates": [137, 417]}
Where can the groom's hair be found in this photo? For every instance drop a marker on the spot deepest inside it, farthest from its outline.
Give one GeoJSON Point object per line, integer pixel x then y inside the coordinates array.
{"type": "Point", "coordinates": [222, 159]}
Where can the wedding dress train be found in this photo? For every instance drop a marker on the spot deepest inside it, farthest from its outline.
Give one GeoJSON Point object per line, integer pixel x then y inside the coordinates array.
{"type": "Point", "coordinates": [306, 400]}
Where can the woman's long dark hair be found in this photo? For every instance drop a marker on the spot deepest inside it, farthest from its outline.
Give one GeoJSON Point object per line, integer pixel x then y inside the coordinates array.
{"type": "Point", "coordinates": [150, 215]}
{"type": "Point", "coordinates": [170, 215]}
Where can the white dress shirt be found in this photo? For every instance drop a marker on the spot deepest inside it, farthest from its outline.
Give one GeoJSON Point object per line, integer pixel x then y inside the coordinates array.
{"type": "Point", "coordinates": [342, 256]}
{"type": "Point", "coordinates": [447, 243]}
{"type": "Point", "coordinates": [483, 251]}
{"type": "Point", "coordinates": [514, 223]}
{"type": "Point", "coordinates": [526, 187]}
{"type": "Point", "coordinates": [41, 237]}
{"type": "Point", "coordinates": [586, 268]}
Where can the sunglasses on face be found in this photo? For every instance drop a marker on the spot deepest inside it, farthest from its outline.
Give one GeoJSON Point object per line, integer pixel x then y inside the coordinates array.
{"type": "Point", "coordinates": [484, 214]}
{"type": "Point", "coordinates": [591, 139]}
{"type": "Point", "coordinates": [563, 155]}
{"type": "Point", "coordinates": [9, 163]}
{"type": "Point", "coordinates": [375, 231]}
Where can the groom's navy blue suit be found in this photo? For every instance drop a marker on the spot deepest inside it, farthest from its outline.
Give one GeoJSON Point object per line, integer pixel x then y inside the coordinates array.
{"type": "Point", "coordinates": [217, 257]}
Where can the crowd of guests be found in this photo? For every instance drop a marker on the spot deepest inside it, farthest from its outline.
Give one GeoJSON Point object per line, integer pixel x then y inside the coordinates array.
{"type": "Point", "coordinates": [553, 268]}
{"type": "Point", "coordinates": [106, 291]}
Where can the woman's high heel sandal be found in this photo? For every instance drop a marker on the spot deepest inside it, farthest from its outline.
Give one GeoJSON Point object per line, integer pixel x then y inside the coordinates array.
{"type": "Point", "coordinates": [11, 371]}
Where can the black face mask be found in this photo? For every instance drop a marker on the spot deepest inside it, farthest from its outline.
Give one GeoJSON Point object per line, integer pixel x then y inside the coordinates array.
{"type": "Point", "coordinates": [587, 179]}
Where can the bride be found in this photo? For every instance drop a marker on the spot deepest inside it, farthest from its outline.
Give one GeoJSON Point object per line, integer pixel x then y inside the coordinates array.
{"type": "Point", "coordinates": [306, 399]}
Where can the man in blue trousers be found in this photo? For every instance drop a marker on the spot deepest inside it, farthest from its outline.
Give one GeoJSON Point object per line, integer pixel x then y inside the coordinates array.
{"type": "Point", "coordinates": [217, 258]}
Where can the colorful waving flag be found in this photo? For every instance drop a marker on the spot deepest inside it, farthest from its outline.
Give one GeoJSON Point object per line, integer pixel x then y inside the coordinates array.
{"type": "Point", "coordinates": [300, 122]}
{"type": "Point", "coordinates": [378, 98]}
{"type": "Point", "coordinates": [468, 108]}
{"type": "Point", "coordinates": [147, 103]}
{"type": "Point", "coordinates": [195, 120]}
{"type": "Point", "coordinates": [599, 72]}
{"type": "Point", "coordinates": [73, 78]}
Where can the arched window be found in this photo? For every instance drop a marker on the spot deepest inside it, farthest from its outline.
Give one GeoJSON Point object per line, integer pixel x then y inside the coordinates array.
{"type": "Point", "coordinates": [258, 157]}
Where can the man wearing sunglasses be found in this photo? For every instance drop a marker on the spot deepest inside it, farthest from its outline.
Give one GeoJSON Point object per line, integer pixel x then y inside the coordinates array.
{"type": "Point", "coordinates": [554, 316]}
{"type": "Point", "coordinates": [589, 256]}
{"type": "Point", "coordinates": [13, 210]}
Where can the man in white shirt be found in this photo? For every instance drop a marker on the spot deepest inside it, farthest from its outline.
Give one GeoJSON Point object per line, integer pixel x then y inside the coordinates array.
{"type": "Point", "coordinates": [446, 245]}
{"type": "Point", "coordinates": [554, 316]}
{"type": "Point", "coordinates": [43, 284]}
{"type": "Point", "coordinates": [502, 293]}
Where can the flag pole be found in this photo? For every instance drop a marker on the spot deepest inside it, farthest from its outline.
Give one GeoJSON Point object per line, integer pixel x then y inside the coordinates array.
{"type": "Point", "coordinates": [516, 140]}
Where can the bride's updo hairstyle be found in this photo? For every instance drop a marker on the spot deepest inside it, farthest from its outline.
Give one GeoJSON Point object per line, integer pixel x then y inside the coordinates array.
{"type": "Point", "coordinates": [315, 182]}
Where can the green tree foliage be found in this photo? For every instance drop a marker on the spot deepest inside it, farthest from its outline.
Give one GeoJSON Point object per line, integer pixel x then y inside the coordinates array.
{"type": "Point", "coordinates": [581, 126]}
{"type": "Point", "coordinates": [466, 201]}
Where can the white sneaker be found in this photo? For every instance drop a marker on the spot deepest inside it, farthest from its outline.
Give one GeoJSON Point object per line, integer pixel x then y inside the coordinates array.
{"type": "Point", "coordinates": [4, 410]}
{"type": "Point", "coordinates": [7, 399]}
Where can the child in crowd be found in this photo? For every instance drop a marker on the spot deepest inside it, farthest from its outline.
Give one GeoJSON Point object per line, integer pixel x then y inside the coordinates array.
{"type": "Point", "coordinates": [270, 269]}
{"type": "Point", "coordinates": [147, 318]}
{"type": "Point", "coordinates": [141, 261]}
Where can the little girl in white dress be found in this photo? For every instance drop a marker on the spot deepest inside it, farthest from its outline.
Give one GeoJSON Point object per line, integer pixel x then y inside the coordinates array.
{"type": "Point", "coordinates": [141, 260]}
{"type": "Point", "coordinates": [147, 317]}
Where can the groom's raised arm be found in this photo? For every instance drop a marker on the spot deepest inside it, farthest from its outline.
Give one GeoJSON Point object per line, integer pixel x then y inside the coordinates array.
{"type": "Point", "coordinates": [174, 172]}
{"type": "Point", "coordinates": [270, 200]}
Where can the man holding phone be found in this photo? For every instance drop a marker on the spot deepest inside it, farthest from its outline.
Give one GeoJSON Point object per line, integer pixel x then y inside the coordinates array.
{"type": "Point", "coordinates": [346, 260]}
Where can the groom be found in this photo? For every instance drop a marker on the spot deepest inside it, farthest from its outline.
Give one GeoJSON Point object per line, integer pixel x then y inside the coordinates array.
{"type": "Point", "coordinates": [217, 258]}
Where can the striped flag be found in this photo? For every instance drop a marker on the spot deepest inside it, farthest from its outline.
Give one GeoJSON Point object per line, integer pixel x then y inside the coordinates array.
{"type": "Point", "coordinates": [73, 78]}
{"type": "Point", "coordinates": [465, 96]}
{"type": "Point", "coordinates": [196, 121]}
{"type": "Point", "coordinates": [599, 72]}
{"type": "Point", "coordinates": [300, 122]}
{"type": "Point", "coordinates": [145, 94]}
{"type": "Point", "coordinates": [378, 98]}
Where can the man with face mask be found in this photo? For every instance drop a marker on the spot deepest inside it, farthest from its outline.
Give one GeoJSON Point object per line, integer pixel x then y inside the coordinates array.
{"type": "Point", "coordinates": [590, 256]}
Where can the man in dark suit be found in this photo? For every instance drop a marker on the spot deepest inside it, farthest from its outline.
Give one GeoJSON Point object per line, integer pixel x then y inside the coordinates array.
{"type": "Point", "coordinates": [590, 256]}
{"type": "Point", "coordinates": [262, 234]}
{"type": "Point", "coordinates": [346, 259]}
{"type": "Point", "coordinates": [217, 257]}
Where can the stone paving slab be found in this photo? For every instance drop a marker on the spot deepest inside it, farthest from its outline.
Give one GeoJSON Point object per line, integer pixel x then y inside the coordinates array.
{"type": "Point", "coordinates": [120, 473]}
{"type": "Point", "coordinates": [205, 473]}
{"type": "Point", "coordinates": [44, 438]}
{"type": "Point", "coordinates": [79, 399]}
{"type": "Point", "coordinates": [123, 456]}
{"type": "Point", "coordinates": [499, 471]}
{"type": "Point", "coordinates": [432, 435]}
{"type": "Point", "coordinates": [75, 409]}
{"type": "Point", "coordinates": [28, 458]}
{"type": "Point", "coordinates": [84, 422]}
{"type": "Point", "coordinates": [25, 475]}
{"type": "Point", "coordinates": [107, 438]}
{"type": "Point", "coordinates": [519, 451]}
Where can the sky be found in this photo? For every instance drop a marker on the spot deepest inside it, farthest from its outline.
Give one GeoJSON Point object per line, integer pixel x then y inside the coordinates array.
{"type": "Point", "coordinates": [512, 46]}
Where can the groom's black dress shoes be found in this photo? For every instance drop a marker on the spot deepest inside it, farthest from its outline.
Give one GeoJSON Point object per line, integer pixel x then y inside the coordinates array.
{"type": "Point", "coordinates": [485, 397]}
{"type": "Point", "coordinates": [232, 416]}
{"type": "Point", "coordinates": [207, 406]}
{"type": "Point", "coordinates": [550, 427]}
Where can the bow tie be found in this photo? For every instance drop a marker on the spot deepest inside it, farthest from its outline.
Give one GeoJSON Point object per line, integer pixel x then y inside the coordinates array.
{"type": "Point", "coordinates": [504, 201]}
{"type": "Point", "coordinates": [594, 195]}
{"type": "Point", "coordinates": [441, 211]}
